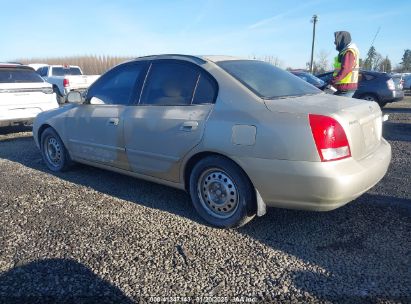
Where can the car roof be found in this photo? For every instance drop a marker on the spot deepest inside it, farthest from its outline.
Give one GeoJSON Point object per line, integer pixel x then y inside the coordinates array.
{"type": "Point", "coordinates": [201, 59]}
{"type": "Point", "coordinates": [9, 64]}
{"type": "Point", "coordinates": [15, 66]}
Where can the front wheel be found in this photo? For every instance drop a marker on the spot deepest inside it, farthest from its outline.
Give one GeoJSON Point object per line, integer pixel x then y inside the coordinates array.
{"type": "Point", "coordinates": [222, 193]}
{"type": "Point", "coordinates": [53, 151]}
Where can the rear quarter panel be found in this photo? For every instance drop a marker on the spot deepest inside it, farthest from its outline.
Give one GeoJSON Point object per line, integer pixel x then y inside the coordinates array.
{"type": "Point", "coordinates": [279, 135]}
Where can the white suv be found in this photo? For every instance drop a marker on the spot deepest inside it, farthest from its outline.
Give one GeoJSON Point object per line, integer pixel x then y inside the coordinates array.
{"type": "Point", "coordinates": [23, 95]}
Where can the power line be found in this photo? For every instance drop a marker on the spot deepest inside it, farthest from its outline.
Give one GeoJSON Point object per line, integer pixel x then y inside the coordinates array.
{"type": "Point", "coordinates": [376, 34]}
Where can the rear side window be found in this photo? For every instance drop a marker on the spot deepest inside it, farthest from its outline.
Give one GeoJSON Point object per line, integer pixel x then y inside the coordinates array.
{"type": "Point", "coordinates": [367, 77]}
{"type": "Point", "coordinates": [61, 71]}
{"type": "Point", "coordinates": [206, 90]}
{"type": "Point", "coordinates": [19, 76]}
{"type": "Point", "coordinates": [117, 86]}
{"type": "Point", "coordinates": [170, 83]}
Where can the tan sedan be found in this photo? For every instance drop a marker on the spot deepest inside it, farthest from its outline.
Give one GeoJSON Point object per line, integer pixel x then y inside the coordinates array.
{"type": "Point", "coordinates": [238, 135]}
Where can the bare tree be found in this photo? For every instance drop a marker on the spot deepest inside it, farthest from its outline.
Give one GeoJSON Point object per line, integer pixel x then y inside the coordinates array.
{"type": "Point", "coordinates": [385, 65]}
{"type": "Point", "coordinates": [90, 64]}
{"type": "Point", "coordinates": [376, 63]}
{"type": "Point", "coordinates": [274, 60]}
{"type": "Point", "coordinates": [321, 63]}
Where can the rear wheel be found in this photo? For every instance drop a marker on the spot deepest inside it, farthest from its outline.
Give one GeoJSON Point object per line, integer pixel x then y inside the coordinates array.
{"type": "Point", "coordinates": [371, 97]}
{"type": "Point", "coordinates": [222, 193]}
{"type": "Point", "coordinates": [53, 151]}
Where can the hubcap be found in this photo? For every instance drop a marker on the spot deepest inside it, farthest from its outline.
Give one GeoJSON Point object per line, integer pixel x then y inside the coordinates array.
{"type": "Point", "coordinates": [53, 151]}
{"type": "Point", "coordinates": [218, 193]}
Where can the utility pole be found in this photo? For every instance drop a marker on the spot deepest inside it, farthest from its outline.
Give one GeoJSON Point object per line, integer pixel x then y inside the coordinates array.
{"type": "Point", "coordinates": [314, 20]}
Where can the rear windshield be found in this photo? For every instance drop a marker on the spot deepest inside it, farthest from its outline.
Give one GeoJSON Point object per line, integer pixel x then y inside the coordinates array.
{"type": "Point", "coordinates": [56, 71]}
{"type": "Point", "coordinates": [19, 75]}
{"type": "Point", "coordinates": [266, 80]}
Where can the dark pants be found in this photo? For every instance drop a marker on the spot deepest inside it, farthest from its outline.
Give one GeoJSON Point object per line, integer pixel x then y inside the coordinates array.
{"type": "Point", "coordinates": [345, 93]}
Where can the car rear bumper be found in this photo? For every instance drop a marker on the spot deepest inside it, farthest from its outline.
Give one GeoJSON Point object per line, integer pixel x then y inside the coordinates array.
{"type": "Point", "coordinates": [318, 186]}
{"type": "Point", "coordinates": [394, 96]}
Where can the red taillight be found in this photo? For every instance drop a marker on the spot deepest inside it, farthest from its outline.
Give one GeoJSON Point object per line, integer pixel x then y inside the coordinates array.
{"type": "Point", "coordinates": [391, 84]}
{"type": "Point", "coordinates": [66, 82]}
{"type": "Point", "coordinates": [329, 137]}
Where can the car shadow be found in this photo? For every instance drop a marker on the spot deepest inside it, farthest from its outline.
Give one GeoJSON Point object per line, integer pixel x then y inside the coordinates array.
{"type": "Point", "coordinates": [397, 131]}
{"type": "Point", "coordinates": [345, 247]}
{"type": "Point", "coordinates": [396, 110]}
{"type": "Point", "coordinates": [24, 151]}
{"type": "Point", "coordinates": [57, 281]}
{"type": "Point", "coordinates": [14, 129]}
{"type": "Point", "coordinates": [357, 253]}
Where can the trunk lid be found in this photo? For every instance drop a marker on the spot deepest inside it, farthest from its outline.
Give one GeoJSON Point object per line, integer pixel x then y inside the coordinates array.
{"type": "Point", "coordinates": [78, 82]}
{"type": "Point", "coordinates": [361, 120]}
{"type": "Point", "coordinates": [19, 100]}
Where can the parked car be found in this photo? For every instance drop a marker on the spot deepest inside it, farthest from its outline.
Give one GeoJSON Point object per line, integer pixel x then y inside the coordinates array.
{"type": "Point", "coordinates": [236, 134]}
{"type": "Point", "coordinates": [374, 86]}
{"type": "Point", "coordinates": [407, 82]}
{"type": "Point", "coordinates": [315, 81]}
{"type": "Point", "coordinates": [310, 78]}
{"type": "Point", "coordinates": [23, 94]}
{"type": "Point", "coordinates": [398, 80]}
{"type": "Point", "coordinates": [65, 78]}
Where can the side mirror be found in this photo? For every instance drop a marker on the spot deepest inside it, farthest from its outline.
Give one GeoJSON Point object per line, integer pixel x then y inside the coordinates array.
{"type": "Point", "coordinates": [74, 97]}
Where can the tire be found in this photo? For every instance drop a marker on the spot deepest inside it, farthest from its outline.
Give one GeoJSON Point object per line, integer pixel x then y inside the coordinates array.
{"type": "Point", "coordinates": [222, 193]}
{"type": "Point", "coordinates": [53, 151]}
{"type": "Point", "coordinates": [371, 97]}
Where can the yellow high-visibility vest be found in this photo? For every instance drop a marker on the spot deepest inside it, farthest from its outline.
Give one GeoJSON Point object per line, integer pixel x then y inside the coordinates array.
{"type": "Point", "coordinates": [351, 77]}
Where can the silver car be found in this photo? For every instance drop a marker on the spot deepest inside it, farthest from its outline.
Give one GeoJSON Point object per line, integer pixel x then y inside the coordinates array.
{"type": "Point", "coordinates": [238, 135]}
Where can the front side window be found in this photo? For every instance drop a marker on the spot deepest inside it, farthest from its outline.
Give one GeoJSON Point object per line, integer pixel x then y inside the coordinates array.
{"type": "Point", "coordinates": [170, 83]}
{"type": "Point", "coordinates": [117, 86]}
{"type": "Point", "coordinates": [8, 75]}
{"type": "Point", "coordinates": [266, 80]}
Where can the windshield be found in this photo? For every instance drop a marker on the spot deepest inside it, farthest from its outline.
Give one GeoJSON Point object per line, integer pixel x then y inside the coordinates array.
{"type": "Point", "coordinates": [266, 80]}
{"type": "Point", "coordinates": [19, 75]}
{"type": "Point", "coordinates": [65, 71]}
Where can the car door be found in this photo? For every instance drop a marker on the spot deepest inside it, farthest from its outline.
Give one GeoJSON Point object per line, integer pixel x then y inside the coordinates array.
{"type": "Point", "coordinates": [169, 119]}
{"type": "Point", "coordinates": [95, 128]}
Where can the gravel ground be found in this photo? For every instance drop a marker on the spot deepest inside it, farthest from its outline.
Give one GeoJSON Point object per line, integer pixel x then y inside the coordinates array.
{"type": "Point", "coordinates": [90, 235]}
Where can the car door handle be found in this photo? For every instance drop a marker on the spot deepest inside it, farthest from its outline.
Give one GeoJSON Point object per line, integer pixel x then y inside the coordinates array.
{"type": "Point", "coordinates": [189, 126]}
{"type": "Point", "coordinates": [113, 122]}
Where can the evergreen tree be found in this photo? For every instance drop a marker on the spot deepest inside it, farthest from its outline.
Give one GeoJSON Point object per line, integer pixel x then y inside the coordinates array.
{"type": "Point", "coordinates": [406, 61]}
{"type": "Point", "coordinates": [371, 55]}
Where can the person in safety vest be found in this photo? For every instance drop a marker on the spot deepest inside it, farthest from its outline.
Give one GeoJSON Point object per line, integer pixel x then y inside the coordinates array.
{"type": "Point", "coordinates": [346, 65]}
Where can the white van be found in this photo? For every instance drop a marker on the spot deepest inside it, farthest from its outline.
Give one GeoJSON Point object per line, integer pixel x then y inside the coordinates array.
{"type": "Point", "coordinates": [23, 95]}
